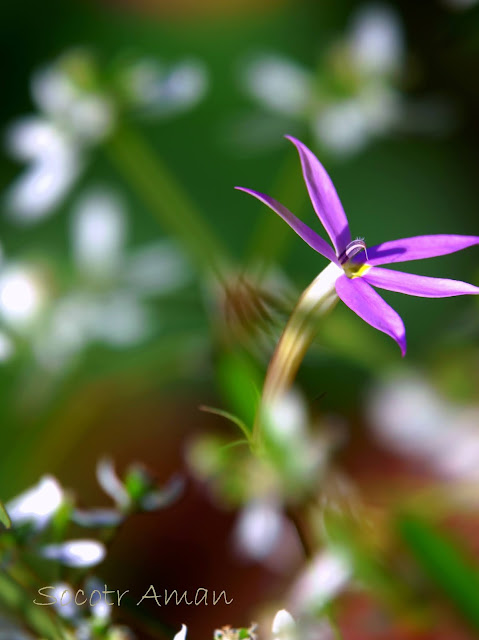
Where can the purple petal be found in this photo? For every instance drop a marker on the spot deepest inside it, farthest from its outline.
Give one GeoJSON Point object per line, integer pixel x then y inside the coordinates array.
{"type": "Point", "coordinates": [413, 285]}
{"type": "Point", "coordinates": [368, 305]}
{"type": "Point", "coordinates": [418, 248]}
{"type": "Point", "coordinates": [324, 197]}
{"type": "Point", "coordinates": [308, 235]}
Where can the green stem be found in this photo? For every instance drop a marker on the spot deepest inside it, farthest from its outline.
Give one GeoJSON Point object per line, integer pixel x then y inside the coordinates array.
{"type": "Point", "coordinates": [166, 200]}
{"type": "Point", "coordinates": [317, 300]}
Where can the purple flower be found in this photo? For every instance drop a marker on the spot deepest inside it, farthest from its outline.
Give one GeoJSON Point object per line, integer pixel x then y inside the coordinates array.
{"type": "Point", "coordinates": [358, 265]}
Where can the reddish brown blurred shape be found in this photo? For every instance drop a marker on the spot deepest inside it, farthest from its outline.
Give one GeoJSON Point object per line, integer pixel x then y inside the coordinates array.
{"type": "Point", "coordinates": [189, 8]}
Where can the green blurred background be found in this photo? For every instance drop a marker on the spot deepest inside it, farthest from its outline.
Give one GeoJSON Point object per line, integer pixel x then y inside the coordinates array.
{"type": "Point", "coordinates": [141, 402]}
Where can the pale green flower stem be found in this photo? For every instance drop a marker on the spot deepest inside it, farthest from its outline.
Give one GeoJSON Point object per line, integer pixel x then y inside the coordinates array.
{"type": "Point", "coordinates": [315, 301]}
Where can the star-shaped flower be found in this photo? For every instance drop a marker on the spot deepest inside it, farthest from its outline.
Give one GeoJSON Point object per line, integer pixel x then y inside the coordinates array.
{"type": "Point", "coordinates": [355, 266]}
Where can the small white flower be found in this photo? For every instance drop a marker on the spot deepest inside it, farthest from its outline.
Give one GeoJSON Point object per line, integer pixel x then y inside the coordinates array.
{"type": "Point", "coordinates": [287, 417]}
{"type": "Point", "coordinates": [65, 602]}
{"type": "Point", "coordinates": [54, 143]}
{"type": "Point", "coordinates": [409, 416]}
{"type": "Point", "coordinates": [99, 233]}
{"type": "Point", "coordinates": [259, 528]}
{"type": "Point", "coordinates": [111, 484]}
{"type": "Point", "coordinates": [376, 40]}
{"type": "Point", "coordinates": [181, 635]}
{"type": "Point", "coordinates": [284, 626]}
{"type": "Point", "coordinates": [325, 576]}
{"type": "Point", "coordinates": [75, 553]}
{"type": "Point", "coordinates": [279, 84]}
{"type": "Point", "coordinates": [38, 504]}
{"type": "Point", "coordinates": [21, 296]}
{"type": "Point", "coordinates": [166, 90]}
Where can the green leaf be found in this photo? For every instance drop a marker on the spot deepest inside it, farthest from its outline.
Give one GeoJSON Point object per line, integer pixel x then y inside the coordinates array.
{"type": "Point", "coordinates": [445, 563]}
{"type": "Point", "coordinates": [229, 416]}
{"type": "Point", "coordinates": [4, 517]}
{"type": "Point", "coordinates": [240, 381]}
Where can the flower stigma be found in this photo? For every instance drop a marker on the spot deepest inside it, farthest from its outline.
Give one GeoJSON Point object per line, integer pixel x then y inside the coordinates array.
{"type": "Point", "coordinates": [353, 266]}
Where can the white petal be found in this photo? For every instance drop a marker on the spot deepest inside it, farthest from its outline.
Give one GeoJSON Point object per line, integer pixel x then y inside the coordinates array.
{"type": "Point", "coordinates": [110, 482]}
{"type": "Point", "coordinates": [181, 635]}
{"type": "Point", "coordinates": [184, 86]}
{"type": "Point", "coordinates": [53, 91]}
{"type": "Point", "coordinates": [33, 137]}
{"type": "Point", "coordinates": [376, 40]}
{"type": "Point", "coordinates": [21, 296]}
{"type": "Point", "coordinates": [41, 188]}
{"type": "Point", "coordinates": [75, 553]}
{"type": "Point", "coordinates": [91, 118]}
{"type": "Point", "coordinates": [258, 529]}
{"type": "Point", "coordinates": [99, 233]}
{"type": "Point", "coordinates": [288, 417]}
{"type": "Point", "coordinates": [342, 127]}
{"type": "Point", "coordinates": [327, 574]}
{"type": "Point", "coordinates": [408, 415]}
{"type": "Point", "coordinates": [284, 626]}
{"type": "Point", "coordinates": [38, 504]}
{"type": "Point", "coordinates": [164, 91]}
{"type": "Point", "coordinates": [65, 604]}
{"type": "Point", "coordinates": [279, 84]}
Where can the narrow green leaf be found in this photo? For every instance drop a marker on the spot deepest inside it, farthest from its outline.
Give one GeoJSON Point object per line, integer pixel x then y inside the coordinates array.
{"type": "Point", "coordinates": [229, 416]}
{"type": "Point", "coordinates": [239, 381]}
{"type": "Point", "coordinates": [4, 517]}
{"type": "Point", "coordinates": [445, 563]}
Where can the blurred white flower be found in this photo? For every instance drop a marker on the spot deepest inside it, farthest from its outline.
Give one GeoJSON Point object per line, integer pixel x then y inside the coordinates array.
{"type": "Point", "coordinates": [21, 295]}
{"type": "Point", "coordinates": [259, 529]}
{"type": "Point", "coordinates": [324, 577]}
{"type": "Point", "coordinates": [287, 416]}
{"type": "Point", "coordinates": [87, 116]}
{"type": "Point", "coordinates": [375, 40]}
{"type": "Point", "coordinates": [160, 89]}
{"type": "Point", "coordinates": [279, 84]}
{"type": "Point", "coordinates": [284, 626]}
{"type": "Point", "coordinates": [36, 505]}
{"type": "Point", "coordinates": [65, 602]}
{"type": "Point", "coordinates": [75, 553]}
{"type": "Point", "coordinates": [181, 635]}
{"type": "Point", "coordinates": [148, 497]}
{"type": "Point", "coordinates": [111, 484]}
{"type": "Point", "coordinates": [409, 416]}
{"type": "Point", "coordinates": [110, 302]}
{"type": "Point", "coordinates": [54, 165]}
{"type": "Point", "coordinates": [352, 99]}
{"type": "Point", "coordinates": [54, 143]}
{"type": "Point", "coordinates": [98, 233]}
{"type": "Point", "coordinates": [287, 425]}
